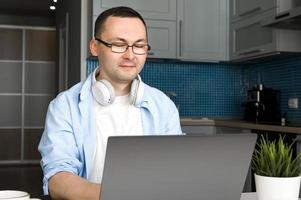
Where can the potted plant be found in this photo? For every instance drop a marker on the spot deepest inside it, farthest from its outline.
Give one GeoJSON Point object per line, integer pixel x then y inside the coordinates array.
{"type": "Point", "coordinates": [277, 173]}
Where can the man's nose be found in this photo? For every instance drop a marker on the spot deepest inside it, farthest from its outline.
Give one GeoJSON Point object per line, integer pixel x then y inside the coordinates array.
{"type": "Point", "coordinates": [129, 54]}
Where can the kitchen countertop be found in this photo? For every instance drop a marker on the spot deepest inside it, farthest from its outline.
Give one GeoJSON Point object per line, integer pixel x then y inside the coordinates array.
{"type": "Point", "coordinates": [250, 196]}
{"type": "Point", "coordinates": [234, 123]}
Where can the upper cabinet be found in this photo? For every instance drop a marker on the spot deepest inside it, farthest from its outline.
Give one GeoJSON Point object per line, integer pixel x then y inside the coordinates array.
{"type": "Point", "coordinates": [250, 39]}
{"type": "Point", "coordinates": [154, 9]}
{"type": "Point", "coordinates": [160, 18]}
{"type": "Point", "coordinates": [286, 15]}
{"type": "Point", "coordinates": [245, 8]}
{"type": "Point", "coordinates": [203, 30]}
{"type": "Point", "coordinates": [195, 30]}
{"type": "Point", "coordinates": [162, 38]}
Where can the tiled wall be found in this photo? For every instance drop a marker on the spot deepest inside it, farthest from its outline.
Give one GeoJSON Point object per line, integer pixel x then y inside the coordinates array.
{"type": "Point", "coordinates": [284, 75]}
{"type": "Point", "coordinates": [209, 90]}
{"type": "Point", "coordinates": [217, 90]}
{"type": "Point", "coordinates": [202, 89]}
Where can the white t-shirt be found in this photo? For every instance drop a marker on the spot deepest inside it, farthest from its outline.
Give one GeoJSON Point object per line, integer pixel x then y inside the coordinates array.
{"type": "Point", "coordinates": [117, 119]}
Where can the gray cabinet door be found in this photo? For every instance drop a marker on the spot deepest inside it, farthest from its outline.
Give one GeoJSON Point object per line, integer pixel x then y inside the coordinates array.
{"type": "Point", "coordinates": [249, 39]}
{"type": "Point", "coordinates": [160, 18]}
{"type": "Point", "coordinates": [162, 38]}
{"type": "Point", "coordinates": [154, 9]}
{"type": "Point", "coordinates": [240, 9]}
{"type": "Point", "coordinates": [199, 130]}
{"type": "Point", "coordinates": [245, 6]}
{"type": "Point", "coordinates": [202, 30]}
{"type": "Point", "coordinates": [230, 130]}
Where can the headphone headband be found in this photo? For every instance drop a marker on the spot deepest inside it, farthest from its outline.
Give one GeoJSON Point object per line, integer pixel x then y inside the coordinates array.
{"type": "Point", "coordinates": [103, 92]}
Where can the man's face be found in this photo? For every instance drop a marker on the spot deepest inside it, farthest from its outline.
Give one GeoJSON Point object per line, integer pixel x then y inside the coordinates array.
{"type": "Point", "coordinates": [121, 67]}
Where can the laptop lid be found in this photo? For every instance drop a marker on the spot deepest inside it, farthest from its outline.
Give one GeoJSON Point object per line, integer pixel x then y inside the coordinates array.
{"type": "Point", "coordinates": [177, 167]}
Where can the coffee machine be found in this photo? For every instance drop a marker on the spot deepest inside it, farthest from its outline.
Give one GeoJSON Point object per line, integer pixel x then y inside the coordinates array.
{"type": "Point", "coordinates": [262, 105]}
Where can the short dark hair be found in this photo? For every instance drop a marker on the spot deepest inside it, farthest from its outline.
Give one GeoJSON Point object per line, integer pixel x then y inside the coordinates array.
{"type": "Point", "coordinates": [120, 11]}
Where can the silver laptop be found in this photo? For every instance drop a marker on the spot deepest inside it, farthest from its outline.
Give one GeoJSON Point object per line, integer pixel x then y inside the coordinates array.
{"type": "Point", "coordinates": [177, 167]}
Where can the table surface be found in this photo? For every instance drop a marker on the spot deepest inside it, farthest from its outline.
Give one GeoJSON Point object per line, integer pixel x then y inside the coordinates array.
{"type": "Point", "coordinates": [244, 196]}
{"type": "Point", "coordinates": [249, 196]}
{"type": "Point", "coordinates": [234, 123]}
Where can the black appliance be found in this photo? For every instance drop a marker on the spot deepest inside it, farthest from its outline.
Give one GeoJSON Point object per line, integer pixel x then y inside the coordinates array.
{"type": "Point", "coordinates": [263, 105]}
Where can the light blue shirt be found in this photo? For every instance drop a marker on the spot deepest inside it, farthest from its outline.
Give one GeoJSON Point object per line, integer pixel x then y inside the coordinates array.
{"type": "Point", "coordinates": [68, 141]}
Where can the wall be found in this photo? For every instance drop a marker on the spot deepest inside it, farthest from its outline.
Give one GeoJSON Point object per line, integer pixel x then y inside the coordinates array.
{"type": "Point", "coordinates": [284, 75]}
{"type": "Point", "coordinates": [218, 90]}
{"type": "Point", "coordinates": [202, 89]}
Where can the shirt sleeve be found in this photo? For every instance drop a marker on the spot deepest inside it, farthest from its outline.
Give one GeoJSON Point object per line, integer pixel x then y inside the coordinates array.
{"type": "Point", "coordinates": [58, 146]}
{"type": "Point", "coordinates": [173, 125]}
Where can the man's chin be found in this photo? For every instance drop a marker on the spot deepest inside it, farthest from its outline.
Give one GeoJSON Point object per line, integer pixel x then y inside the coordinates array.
{"type": "Point", "coordinates": [128, 74]}
{"type": "Point", "coordinates": [127, 78]}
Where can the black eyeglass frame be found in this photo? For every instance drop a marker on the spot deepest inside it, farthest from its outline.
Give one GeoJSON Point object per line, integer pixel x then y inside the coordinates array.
{"type": "Point", "coordinates": [132, 46]}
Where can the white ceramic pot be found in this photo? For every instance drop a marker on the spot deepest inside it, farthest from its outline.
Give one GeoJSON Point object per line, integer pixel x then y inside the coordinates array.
{"type": "Point", "coordinates": [277, 188]}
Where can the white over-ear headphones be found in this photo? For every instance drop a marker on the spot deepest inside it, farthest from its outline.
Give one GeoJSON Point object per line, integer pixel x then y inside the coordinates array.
{"type": "Point", "coordinates": [104, 93]}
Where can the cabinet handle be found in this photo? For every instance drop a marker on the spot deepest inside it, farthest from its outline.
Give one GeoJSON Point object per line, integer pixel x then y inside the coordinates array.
{"type": "Point", "coordinates": [180, 38]}
{"type": "Point", "coordinates": [151, 53]}
{"type": "Point", "coordinates": [250, 52]}
{"type": "Point", "coordinates": [282, 15]}
{"type": "Point", "coordinates": [250, 11]}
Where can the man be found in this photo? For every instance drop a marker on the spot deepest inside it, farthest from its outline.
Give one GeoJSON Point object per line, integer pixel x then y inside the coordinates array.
{"type": "Point", "coordinates": [112, 101]}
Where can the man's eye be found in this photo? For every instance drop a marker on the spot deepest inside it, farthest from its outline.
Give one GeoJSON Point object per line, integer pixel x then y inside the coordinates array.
{"type": "Point", "coordinates": [119, 44]}
{"type": "Point", "coordinates": [140, 45]}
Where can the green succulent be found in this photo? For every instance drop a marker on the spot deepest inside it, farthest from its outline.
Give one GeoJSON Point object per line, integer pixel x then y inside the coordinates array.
{"type": "Point", "coordinates": [274, 159]}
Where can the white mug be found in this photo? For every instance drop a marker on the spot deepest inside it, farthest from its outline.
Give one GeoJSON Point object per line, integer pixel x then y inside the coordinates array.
{"type": "Point", "coordinates": [14, 195]}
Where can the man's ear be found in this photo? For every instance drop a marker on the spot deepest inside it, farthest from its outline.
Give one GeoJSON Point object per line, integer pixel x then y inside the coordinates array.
{"type": "Point", "coordinates": [93, 47]}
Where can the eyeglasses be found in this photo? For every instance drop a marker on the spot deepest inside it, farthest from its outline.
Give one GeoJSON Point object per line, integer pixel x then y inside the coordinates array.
{"type": "Point", "coordinates": [121, 47]}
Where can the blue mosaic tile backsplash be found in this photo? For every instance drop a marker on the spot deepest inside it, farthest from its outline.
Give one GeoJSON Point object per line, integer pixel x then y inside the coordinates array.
{"type": "Point", "coordinates": [217, 90]}
{"type": "Point", "coordinates": [198, 89]}
{"type": "Point", "coordinates": [284, 75]}
{"type": "Point", "coordinates": [209, 90]}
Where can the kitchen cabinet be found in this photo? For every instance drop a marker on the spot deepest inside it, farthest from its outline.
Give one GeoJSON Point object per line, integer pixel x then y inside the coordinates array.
{"type": "Point", "coordinates": [211, 130]}
{"type": "Point", "coordinates": [199, 130]}
{"type": "Point", "coordinates": [160, 19]}
{"type": "Point", "coordinates": [286, 15]}
{"type": "Point", "coordinates": [155, 9]}
{"type": "Point", "coordinates": [239, 9]}
{"type": "Point", "coordinates": [183, 29]}
{"type": "Point", "coordinates": [161, 37]}
{"type": "Point", "coordinates": [202, 28]}
{"type": "Point", "coordinates": [248, 38]}
{"type": "Point", "coordinates": [225, 130]}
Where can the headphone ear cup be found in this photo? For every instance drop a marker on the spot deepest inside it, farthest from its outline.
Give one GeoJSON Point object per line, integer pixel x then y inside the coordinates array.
{"type": "Point", "coordinates": [103, 92]}
{"type": "Point", "coordinates": [136, 94]}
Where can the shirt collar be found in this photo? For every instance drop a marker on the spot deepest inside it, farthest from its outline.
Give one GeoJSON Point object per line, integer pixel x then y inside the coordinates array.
{"type": "Point", "coordinates": [86, 87]}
